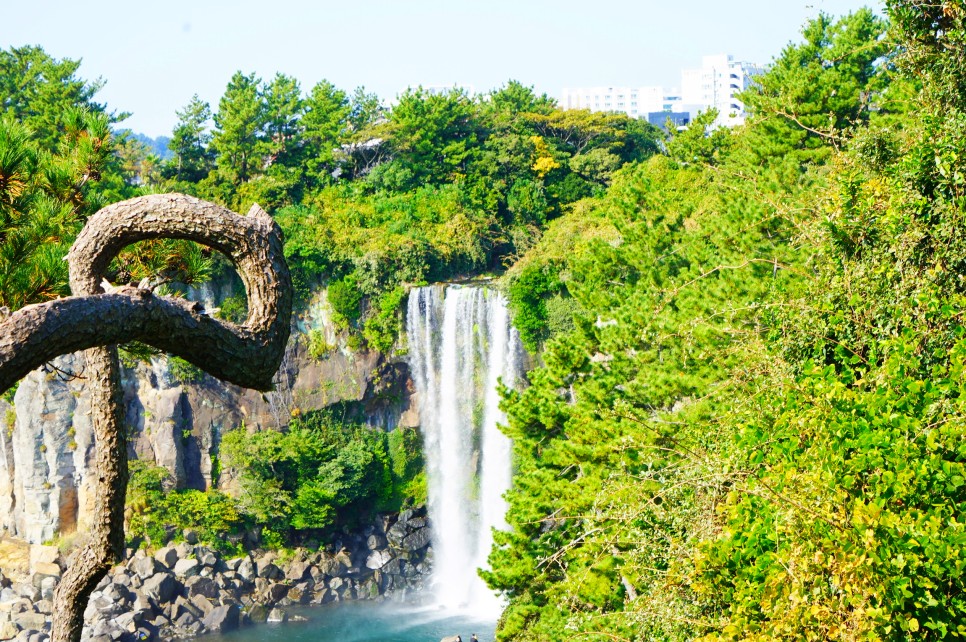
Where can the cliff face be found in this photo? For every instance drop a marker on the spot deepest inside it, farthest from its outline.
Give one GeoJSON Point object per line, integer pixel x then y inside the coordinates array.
{"type": "Point", "coordinates": [46, 441]}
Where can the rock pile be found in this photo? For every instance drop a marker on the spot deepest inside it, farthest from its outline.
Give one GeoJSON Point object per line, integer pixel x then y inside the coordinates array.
{"type": "Point", "coordinates": [186, 590]}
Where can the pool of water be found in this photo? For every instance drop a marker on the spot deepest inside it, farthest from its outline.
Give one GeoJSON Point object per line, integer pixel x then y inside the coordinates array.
{"type": "Point", "coordinates": [367, 622]}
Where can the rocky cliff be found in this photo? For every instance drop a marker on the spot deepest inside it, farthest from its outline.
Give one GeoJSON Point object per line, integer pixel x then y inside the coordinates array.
{"type": "Point", "coordinates": [175, 419]}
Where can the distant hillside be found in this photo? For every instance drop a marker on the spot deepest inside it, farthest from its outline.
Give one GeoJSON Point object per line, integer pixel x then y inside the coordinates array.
{"type": "Point", "coordinates": [158, 146]}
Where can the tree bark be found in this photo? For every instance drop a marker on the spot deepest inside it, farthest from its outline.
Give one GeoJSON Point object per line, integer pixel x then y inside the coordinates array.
{"type": "Point", "coordinates": [247, 355]}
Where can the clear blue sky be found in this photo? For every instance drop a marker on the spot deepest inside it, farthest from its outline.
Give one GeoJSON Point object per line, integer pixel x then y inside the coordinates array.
{"type": "Point", "coordinates": [155, 55]}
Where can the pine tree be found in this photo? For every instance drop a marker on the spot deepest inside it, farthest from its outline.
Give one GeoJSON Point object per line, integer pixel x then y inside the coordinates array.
{"type": "Point", "coordinates": [239, 137]}
{"type": "Point", "coordinates": [190, 143]}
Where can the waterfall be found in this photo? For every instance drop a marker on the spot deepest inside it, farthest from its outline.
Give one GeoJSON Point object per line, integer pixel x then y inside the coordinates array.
{"type": "Point", "coordinates": [460, 345]}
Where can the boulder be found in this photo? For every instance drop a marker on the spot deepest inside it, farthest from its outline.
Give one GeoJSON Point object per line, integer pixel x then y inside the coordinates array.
{"type": "Point", "coordinates": [208, 557]}
{"type": "Point", "coordinates": [299, 594]}
{"type": "Point", "coordinates": [375, 541]}
{"type": "Point", "coordinates": [378, 559]}
{"type": "Point", "coordinates": [8, 630]}
{"type": "Point", "coordinates": [394, 566]}
{"type": "Point", "coordinates": [187, 567]}
{"type": "Point", "coordinates": [203, 603]}
{"type": "Point", "coordinates": [145, 567]}
{"type": "Point", "coordinates": [297, 571]}
{"type": "Point", "coordinates": [28, 591]}
{"type": "Point", "coordinates": [182, 606]}
{"type": "Point", "coordinates": [274, 593]}
{"type": "Point", "coordinates": [333, 567]}
{"type": "Point", "coordinates": [121, 578]}
{"type": "Point", "coordinates": [45, 569]}
{"type": "Point", "coordinates": [246, 569]}
{"type": "Point", "coordinates": [268, 570]}
{"type": "Point", "coordinates": [167, 556]}
{"type": "Point", "coordinates": [223, 618]}
{"type": "Point", "coordinates": [160, 587]}
{"type": "Point", "coordinates": [204, 586]}
{"type": "Point", "coordinates": [30, 620]}
{"type": "Point", "coordinates": [276, 615]}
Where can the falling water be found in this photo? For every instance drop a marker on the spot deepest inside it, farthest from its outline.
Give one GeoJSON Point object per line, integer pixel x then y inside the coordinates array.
{"type": "Point", "coordinates": [460, 346]}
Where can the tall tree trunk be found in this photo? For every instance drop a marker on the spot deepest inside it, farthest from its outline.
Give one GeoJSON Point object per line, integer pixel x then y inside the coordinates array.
{"type": "Point", "coordinates": [104, 543]}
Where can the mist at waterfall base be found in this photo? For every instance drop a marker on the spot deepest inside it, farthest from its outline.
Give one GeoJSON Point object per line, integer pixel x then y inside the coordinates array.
{"type": "Point", "coordinates": [367, 622]}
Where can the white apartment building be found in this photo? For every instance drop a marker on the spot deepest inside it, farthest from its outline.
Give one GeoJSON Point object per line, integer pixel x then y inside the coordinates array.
{"type": "Point", "coordinates": [636, 102]}
{"type": "Point", "coordinates": [716, 84]}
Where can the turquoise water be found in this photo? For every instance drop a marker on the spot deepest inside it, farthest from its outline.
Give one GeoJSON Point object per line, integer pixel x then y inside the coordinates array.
{"type": "Point", "coordinates": [367, 622]}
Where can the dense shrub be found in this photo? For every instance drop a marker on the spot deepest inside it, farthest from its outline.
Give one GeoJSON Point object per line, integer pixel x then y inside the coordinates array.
{"type": "Point", "coordinates": [155, 511]}
{"type": "Point", "coordinates": [320, 473]}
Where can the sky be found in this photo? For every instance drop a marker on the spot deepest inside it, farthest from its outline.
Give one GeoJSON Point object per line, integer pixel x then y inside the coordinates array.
{"type": "Point", "coordinates": [155, 55]}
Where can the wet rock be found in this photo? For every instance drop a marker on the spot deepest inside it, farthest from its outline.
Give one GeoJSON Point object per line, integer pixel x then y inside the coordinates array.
{"type": "Point", "coordinates": [417, 540]}
{"type": "Point", "coordinates": [277, 615]}
{"type": "Point", "coordinates": [378, 559]}
{"type": "Point", "coordinates": [223, 619]}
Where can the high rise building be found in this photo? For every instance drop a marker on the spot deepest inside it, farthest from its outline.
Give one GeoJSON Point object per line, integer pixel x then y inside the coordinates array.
{"type": "Point", "coordinates": [715, 85]}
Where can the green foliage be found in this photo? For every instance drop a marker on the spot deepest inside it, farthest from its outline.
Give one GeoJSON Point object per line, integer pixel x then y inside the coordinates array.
{"type": "Point", "coordinates": [819, 89]}
{"type": "Point", "coordinates": [42, 203]}
{"type": "Point", "coordinates": [60, 163]}
{"type": "Point", "coordinates": [321, 473]}
{"type": "Point", "coordinates": [234, 308]}
{"type": "Point", "coordinates": [184, 371]}
{"type": "Point", "coordinates": [345, 297]}
{"type": "Point", "coordinates": [753, 430]}
{"type": "Point", "coordinates": [384, 324]}
{"type": "Point", "coordinates": [38, 90]}
{"type": "Point", "coordinates": [192, 159]}
{"type": "Point", "coordinates": [441, 185]}
{"type": "Point", "coordinates": [527, 292]}
{"type": "Point", "coordinates": [153, 508]}
{"type": "Point", "coordinates": [699, 144]}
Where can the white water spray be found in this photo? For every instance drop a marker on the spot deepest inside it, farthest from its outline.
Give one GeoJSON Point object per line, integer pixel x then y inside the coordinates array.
{"type": "Point", "coordinates": [460, 345]}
